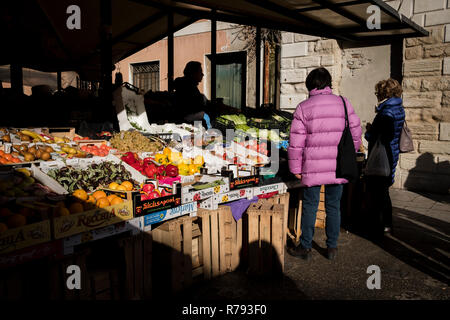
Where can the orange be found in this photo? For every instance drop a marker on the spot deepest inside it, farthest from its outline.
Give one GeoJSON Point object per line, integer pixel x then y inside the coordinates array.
{"type": "Point", "coordinates": [128, 185]}
{"type": "Point", "coordinates": [5, 212]}
{"type": "Point", "coordinates": [116, 200]}
{"type": "Point", "coordinates": [62, 211]}
{"type": "Point", "coordinates": [91, 199]}
{"type": "Point", "coordinates": [111, 197]}
{"type": "Point", "coordinates": [16, 220]}
{"type": "Point", "coordinates": [8, 157]}
{"type": "Point", "coordinates": [121, 188]}
{"type": "Point", "coordinates": [99, 194]}
{"type": "Point", "coordinates": [60, 204]}
{"type": "Point", "coordinates": [80, 194]}
{"type": "Point", "coordinates": [102, 202]}
{"type": "Point", "coordinates": [2, 153]}
{"type": "Point", "coordinates": [3, 227]}
{"type": "Point", "coordinates": [113, 185]}
{"type": "Point", "coordinates": [76, 207]}
{"type": "Point", "coordinates": [3, 161]}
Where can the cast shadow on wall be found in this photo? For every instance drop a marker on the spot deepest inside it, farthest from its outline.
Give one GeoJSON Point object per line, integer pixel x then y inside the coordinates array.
{"type": "Point", "coordinates": [428, 178]}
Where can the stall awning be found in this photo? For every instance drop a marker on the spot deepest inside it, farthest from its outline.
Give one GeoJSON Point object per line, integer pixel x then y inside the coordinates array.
{"type": "Point", "coordinates": [35, 33]}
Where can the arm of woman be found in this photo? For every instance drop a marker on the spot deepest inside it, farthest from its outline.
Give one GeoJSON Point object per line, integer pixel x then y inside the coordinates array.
{"type": "Point", "coordinates": [354, 124]}
{"type": "Point", "coordinates": [297, 140]}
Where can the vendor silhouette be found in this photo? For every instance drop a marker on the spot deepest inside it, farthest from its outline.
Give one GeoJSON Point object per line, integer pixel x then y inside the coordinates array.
{"type": "Point", "coordinates": [190, 102]}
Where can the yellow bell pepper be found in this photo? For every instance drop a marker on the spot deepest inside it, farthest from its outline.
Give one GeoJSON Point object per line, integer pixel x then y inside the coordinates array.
{"type": "Point", "coordinates": [161, 159]}
{"type": "Point", "coordinates": [199, 160]}
{"type": "Point", "coordinates": [167, 151]}
{"type": "Point", "coordinates": [186, 161]}
{"type": "Point", "coordinates": [193, 169]}
{"type": "Point", "coordinates": [175, 157]}
{"type": "Point", "coordinates": [183, 169]}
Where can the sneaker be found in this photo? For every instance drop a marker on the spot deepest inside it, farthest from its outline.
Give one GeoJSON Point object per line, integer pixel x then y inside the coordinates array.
{"type": "Point", "coordinates": [300, 252]}
{"type": "Point", "coordinates": [331, 253]}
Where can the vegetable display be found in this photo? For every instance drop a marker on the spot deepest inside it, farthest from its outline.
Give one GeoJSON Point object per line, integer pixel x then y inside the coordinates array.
{"type": "Point", "coordinates": [134, 141]}
{"type": "Point", "coordinates": [90, 178]}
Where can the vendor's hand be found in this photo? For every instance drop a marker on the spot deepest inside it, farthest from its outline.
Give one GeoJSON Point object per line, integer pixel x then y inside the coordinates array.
{"type": "Point", "coordinates": [298, 176]}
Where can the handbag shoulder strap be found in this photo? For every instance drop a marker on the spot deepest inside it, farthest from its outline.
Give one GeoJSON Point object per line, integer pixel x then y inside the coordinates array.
{"type": "Point", "coordinates": [346, 114]}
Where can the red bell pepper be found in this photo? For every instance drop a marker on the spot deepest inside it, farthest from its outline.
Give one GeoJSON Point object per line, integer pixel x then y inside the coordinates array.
{"type": "Point", "coordinates": [171, 171]}
{"type": "Point", "coordinates": [162, 170]}
{"type": "Point", "coordinates": [150, 170]}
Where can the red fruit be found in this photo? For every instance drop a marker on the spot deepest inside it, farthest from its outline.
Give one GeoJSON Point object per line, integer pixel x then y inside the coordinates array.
{"type": "Point", "coordinates": [148, 188]}
{"type": "Point", "coordinates": [153, 195]}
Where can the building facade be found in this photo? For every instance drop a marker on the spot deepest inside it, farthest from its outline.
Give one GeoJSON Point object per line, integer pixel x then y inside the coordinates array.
{"type": "Point", "coordinates": [422, 65]}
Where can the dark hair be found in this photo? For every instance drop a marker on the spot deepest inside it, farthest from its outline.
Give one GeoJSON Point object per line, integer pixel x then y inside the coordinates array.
{"type": "Point", "coordinates": [191, 67]}
{"type": "Point", "coordinates": [388, 88]}
{"type": "Point", "coordinates": [318, 79]}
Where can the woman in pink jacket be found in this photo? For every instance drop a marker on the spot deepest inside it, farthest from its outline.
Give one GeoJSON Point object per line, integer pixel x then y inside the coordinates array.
{"type": "Point", "coordinates": [315, 133]}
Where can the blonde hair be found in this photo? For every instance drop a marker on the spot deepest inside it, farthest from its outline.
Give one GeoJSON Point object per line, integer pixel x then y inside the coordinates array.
{"type": "Point", "coordinates": [389, 88]}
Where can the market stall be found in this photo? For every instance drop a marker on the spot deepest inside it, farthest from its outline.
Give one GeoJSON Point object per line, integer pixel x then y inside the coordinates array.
{"type": "Point", "coordinates": [146, 208]}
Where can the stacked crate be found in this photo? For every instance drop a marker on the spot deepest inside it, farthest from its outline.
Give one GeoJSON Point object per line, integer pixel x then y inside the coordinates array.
{"type": "Point", "coordinates": [321, 216]}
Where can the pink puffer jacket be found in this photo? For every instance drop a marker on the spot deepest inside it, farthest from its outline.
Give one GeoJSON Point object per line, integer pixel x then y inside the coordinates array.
{"type": "Point", "coordinates": [315, 133]}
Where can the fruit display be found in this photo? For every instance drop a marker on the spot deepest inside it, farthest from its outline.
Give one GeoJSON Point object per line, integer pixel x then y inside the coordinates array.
{"type": "Point", "coordinates": [93, 177]}
{"type": "Point", "coordinates": [9, 158]}
{"type": "Point", "coordinates": [101, 151]}
{"type": "Point", "coordinates": [16, 215]}
{"type": "Point", "coordinates": [125, 141]}
{"type": "Point", "coordinates": [20, 183]}
{"type": "Point", "coordinates": [82, 201]}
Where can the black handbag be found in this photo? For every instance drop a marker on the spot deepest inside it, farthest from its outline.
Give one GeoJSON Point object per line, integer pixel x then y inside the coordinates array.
{"type": "Point", "coordinates": [346, 166]}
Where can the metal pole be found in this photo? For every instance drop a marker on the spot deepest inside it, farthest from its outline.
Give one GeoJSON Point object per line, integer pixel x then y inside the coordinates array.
{"type": "Point", "coordinates": [170, 53]}
{"type": "Point", "coordinates": [258, 67]}
{"type": "Point", "coordinates": [213, 58]}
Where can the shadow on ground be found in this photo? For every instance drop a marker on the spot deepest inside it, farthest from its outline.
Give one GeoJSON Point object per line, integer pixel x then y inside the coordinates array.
{"type": "Point", "coordinates": [261, 280]}
{"type": "Point", "coordinates": [419, 241]}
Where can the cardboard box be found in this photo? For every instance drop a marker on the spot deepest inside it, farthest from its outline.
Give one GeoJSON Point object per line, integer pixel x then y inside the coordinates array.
{"type": "Point", "coordinates": [233, 195]}
{"type": "Point", "coordinates": [277, 187]}
{"type": "Point", "coordinates": [26, 236]}
{"type": "Point", "coordinates": [244, 182]}
{"type": "Point", "coordinates": [189, 194]}
{"type": "Point", "coordinates": [52, 248]}
{"type": "Point", "coordinates": [156, 217]}
{"type": "Point", "coordinates": [145, 207]}
{"type": "Point", "coordinates": [132, 225]}
{"type": "Point", "coordinates": [93, 219]}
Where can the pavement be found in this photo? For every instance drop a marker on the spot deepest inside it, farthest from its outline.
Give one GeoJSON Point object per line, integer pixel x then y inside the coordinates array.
{"type": "Point", "coordinates": [413, 262]}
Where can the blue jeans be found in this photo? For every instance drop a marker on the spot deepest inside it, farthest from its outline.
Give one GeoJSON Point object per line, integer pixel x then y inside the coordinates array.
{"type": "Point", "coordinates": [310, 204]}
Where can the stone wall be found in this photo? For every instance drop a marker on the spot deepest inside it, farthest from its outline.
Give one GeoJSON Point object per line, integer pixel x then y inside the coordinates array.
{"type": "Point", "coordinates": [299, 55]}
{"type": "Point", "coordinates": [426, 84]}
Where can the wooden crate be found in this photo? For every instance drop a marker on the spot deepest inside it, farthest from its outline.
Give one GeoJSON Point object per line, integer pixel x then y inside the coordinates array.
{"type": "Point", "coordinates": [62, 132]}
{"type": "Point", "coordinates": [221, 241]}
{"type": "Point", "coordinates": [265, 238]}
{"type": "Point", "coordinates": [173, 254]}
{"type": "Point", "coordinates": [320, 215]}
{"type": "Point", "coordinates": [58, 277]}
{"type": "Point", "coordinates": [105, 284]}
{"type": "Point", "coordinates": [284, 200]}
{"type": "Point", "coordinates": [133, 249]}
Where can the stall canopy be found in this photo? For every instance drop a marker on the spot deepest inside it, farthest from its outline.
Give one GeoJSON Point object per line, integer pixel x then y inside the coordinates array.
{"type": "Point", "coordinates": [35, 32]}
